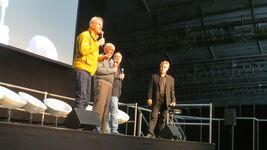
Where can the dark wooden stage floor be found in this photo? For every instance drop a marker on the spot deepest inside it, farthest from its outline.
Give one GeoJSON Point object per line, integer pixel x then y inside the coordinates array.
{"type": "Point", "coordinates": [15, 136]}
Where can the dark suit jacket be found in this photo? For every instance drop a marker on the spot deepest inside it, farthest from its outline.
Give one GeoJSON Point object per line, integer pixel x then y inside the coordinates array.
{"type": "Point", "coordinates": [154, 89]}
{"type": "Point", "coordinates": [117, 84]}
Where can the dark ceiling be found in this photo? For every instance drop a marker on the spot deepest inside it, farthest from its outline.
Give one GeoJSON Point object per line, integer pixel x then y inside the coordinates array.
{"type": "Point", "coordinates": [217, 48]}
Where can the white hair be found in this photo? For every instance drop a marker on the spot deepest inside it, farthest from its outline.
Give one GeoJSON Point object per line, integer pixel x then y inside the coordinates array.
{"type": "Point", "coordinates": [94, 19]}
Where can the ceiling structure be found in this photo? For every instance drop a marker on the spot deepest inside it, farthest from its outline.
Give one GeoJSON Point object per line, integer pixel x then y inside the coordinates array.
{"type": "Point", "coordinates": [217, 48]}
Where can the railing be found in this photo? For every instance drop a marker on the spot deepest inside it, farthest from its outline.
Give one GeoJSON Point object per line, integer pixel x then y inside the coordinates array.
{"type": "Point", "coordinates": [45, 93]}
{"type": "Point", "coordinates": [210, 117]}
{"type": "Point", "coordinates": [134, 121]}
{"type": "Point", "coordinates": [139, 117]}
{"type": "Point", "coordinates": [187, 123]}
{"type": "Point", "coordinates": [255, 132]}
{"type": "Point", "coordinates": [255, 129]}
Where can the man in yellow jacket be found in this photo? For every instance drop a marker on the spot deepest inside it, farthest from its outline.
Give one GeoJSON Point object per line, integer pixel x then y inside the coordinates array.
{"type": "Point", "coordinates": [86, 60]}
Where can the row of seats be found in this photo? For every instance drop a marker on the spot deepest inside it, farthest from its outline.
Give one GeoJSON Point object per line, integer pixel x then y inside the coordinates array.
{"type": "Point", "coordinates": [58, 108]}
{"type": "Point", "coordinates": [12, 100]}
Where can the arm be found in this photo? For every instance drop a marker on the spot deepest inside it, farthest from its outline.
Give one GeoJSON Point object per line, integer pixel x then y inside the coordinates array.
{"type": "Point", "coordinates": [172, 93]}
{"type": "Point", "coordinates": [150, 89]}
{"type": "Point", "coordinates": [101, 58]}
{"type": "Point", "coordinates": [150, 92]}
{"type": "Point", "coordinates": [119, 75]}
{"type": "Point", "coordinates": [84, 46]}
{"type": "Point", "coordinates": [102, 70]}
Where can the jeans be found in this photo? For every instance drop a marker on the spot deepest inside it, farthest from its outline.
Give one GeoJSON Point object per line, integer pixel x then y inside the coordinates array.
{"type": "Point", "coordinates": [113, 110]}
{"type": "Point", "coordinates": [82, 88]}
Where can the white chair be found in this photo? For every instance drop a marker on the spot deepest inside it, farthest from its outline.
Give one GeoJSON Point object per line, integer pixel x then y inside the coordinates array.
{"type": "Point", "coordinates": [122, 116]}
{"type": "Point", "coordinates": [10, 100]}
{"type": "Point", "coordinates": [57, 108]}
{"type": "Point", "coordinates": [33, 105]}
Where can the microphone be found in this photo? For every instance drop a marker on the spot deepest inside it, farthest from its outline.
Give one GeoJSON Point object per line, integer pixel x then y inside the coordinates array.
{"type": "Point", "coordinates": [101, 35]}
{"type": "Point", "coordinates": [122, 69]}
{"type": "Point", "coordinates": [101, 38]}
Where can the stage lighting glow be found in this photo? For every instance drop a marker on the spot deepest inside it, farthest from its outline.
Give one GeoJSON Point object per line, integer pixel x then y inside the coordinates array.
{"type": "Point", "coordinates": [52, 21]}
{"type": "Point", "coordinates": [41, 45]}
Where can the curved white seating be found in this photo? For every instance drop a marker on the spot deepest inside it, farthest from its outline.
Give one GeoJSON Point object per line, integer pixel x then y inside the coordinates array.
{"type": "Point", "coordinates": [1, 95]}
{"type": "Point", "coordinates": [57, 107]}
{"type": "Point", "coordinates": [33, 105]}
{"type": "Point", "coordinates": [89, 107]}
{"type": "Point", "coordinates": [11, 99]}
{"type": "Point", "coordinates": [122, 116]}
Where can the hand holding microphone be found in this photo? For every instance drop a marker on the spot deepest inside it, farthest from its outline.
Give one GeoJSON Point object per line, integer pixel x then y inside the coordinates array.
{"type": "Point", "coordinates": [101, 42]}
{"type": "Point", "coordinates": [121, 76]}
{"type": "Point", "coordinates": [115, 66]}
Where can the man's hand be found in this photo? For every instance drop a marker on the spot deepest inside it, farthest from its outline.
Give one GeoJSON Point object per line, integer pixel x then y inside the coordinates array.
{"type": "Point", "coordinates": [107, 56]}
{"type": "Point", "coordinates": [101, 42]}
{"type": "Point", "coordinates": [172, 104]}
{"type": "Point", "coordinates": [121, 76]}
{"type": "Point", "coordinates": [149, 102]}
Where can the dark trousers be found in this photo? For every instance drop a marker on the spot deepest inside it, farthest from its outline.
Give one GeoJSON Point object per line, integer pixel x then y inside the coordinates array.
{"type": "Point", "coordinates": [82, 88]}
{"type": "Point", "coordinates": [102, 97]}
{"type": "Point", "coordinates": [158, 120]}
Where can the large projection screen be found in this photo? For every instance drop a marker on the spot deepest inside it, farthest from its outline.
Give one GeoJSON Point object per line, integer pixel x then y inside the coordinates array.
{"type": "Point", "coordinates": [44, 27]}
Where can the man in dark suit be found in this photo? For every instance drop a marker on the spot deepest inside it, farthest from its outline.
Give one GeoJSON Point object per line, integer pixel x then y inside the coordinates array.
{"type": "Point", "coordinates": [161, 95]}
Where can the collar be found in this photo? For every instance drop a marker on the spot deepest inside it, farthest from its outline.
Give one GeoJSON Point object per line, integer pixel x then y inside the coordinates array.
{"type": "Point", "coordinates": [93, 35]}
{"type": "Point", "coordinates": [163, 76]}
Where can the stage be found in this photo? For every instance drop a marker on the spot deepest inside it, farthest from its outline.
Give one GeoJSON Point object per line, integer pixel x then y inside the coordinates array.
{"type": "Point", "coordinates": [17, 136]}
{"type": "Point", "coordinates": [23, 136]}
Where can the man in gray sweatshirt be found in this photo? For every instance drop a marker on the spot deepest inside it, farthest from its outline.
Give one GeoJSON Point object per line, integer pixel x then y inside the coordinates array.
{"type": "Point", "coordinates": [103, 81]}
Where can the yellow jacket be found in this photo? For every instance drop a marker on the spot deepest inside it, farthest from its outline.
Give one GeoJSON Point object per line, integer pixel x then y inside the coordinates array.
{"type": "Point", "coordinates": [87, 50]}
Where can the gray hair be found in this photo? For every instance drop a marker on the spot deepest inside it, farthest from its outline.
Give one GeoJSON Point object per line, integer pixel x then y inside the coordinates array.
{"type": "Point", "coordinates": [109, 45]}
{"type": "Point", "coordinates": [94, 19]}
{"type": "Point", "coordinates": [117, 54]}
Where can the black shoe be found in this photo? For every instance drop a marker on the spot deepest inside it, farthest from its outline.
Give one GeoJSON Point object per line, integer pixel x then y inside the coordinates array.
{"type": "Point", "coordinates": [150, 135]}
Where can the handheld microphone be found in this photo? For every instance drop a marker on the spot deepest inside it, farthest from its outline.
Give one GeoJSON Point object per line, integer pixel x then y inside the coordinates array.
{"type": "Point", "coordinates": [101, 35]}
{"type": "Point", "coordinates": [122, 69]}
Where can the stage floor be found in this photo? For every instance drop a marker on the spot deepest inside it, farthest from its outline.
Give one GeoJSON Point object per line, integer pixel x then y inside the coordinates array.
{"type": "Point", "coordinates": [16, 136]}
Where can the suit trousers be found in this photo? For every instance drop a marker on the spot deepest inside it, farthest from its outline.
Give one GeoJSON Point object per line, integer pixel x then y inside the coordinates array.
{"type": "Point", "coordinates": [158, 116]}
{"type": "Point", "coordinates": [102, 90]}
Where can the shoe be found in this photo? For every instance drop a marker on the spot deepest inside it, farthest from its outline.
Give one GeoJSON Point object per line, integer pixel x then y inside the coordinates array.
{"type": "Point", "coordinates": [150, 136]}
{"type": "Point", "coordinates": [97, 129]}
{"type": "Point", "coordinates": [118, 133]}
{"type": "Point", "coordinates": [159, 137]}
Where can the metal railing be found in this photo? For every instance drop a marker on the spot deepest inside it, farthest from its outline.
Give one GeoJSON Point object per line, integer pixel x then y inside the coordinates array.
{"type": "Point", "coordinates": [139, 117]}
{"type": "Point", "coordinates": [45, 93]}
{"type": "Point", "coordinates": [134, 121]}
{"type": "Point", "coordinates": [188, 123]}
{"type": "Point", "coordinates": [255, 129]}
